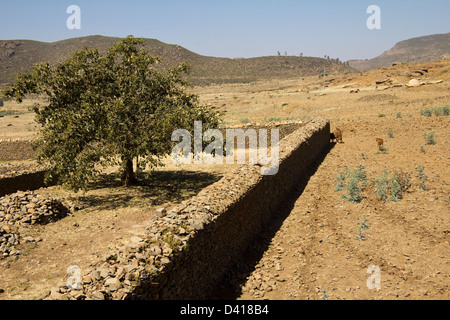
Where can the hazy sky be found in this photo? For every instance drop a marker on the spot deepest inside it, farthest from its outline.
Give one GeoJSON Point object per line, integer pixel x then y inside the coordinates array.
{"type": "Point", "coordinates": [235, 28]}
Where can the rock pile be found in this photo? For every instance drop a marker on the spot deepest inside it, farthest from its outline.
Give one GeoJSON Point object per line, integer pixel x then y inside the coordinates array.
{"type": "Point", "coordinates": [25, 208]}
{"type": "Point", "coordinates": [9, 239]}
{"type": "Point", "coordinates": [30, 208]}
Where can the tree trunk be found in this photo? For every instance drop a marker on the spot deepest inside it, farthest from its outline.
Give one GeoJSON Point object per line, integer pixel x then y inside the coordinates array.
{"type": "Point", "coordinates": [128, 177]}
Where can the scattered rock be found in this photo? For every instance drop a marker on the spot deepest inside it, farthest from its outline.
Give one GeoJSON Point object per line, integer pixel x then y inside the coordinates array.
{"type": "Point", "coordinates": [413, 83]}
{"type": "Point", "coordinates": [97, 295]}
{"type": "Point", "coordinates": [55, 294]}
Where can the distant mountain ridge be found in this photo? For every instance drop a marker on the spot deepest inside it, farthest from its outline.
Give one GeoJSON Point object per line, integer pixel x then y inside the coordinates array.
{"type": "Point", "coordinates": [19, 55]}
{"type": "Point", "coordinates": [427, 48]}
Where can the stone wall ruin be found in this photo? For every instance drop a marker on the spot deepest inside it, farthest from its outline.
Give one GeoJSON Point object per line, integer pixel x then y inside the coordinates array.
{"type": "Point", "coordinates": [187, 250]}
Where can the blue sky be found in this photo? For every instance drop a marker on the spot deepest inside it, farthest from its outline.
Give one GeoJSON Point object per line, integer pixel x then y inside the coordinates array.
{"type": "Point", "coordinates": [233, 28]}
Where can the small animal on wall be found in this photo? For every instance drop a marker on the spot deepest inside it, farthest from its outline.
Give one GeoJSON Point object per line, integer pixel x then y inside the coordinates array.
{"type": "Point", "coordinates": [380, 143]}
{"type": "Point", "coordinates": [338, 135]}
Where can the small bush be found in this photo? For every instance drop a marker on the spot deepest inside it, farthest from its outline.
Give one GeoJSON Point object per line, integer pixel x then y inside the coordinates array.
{"type": "Point", "coordinates": [360, 174]}
{"type": "Point", "coordinates": [388, 188]}
{"type": "Point", "coordinates": [421, 176]}
{"type": "Point", "coordinates": [390, 133]}
{"type": "Point", "coordinates": [354, 192]}
{"type": "Point", "coordinates": [399, 115]}
{"type": "Point", "coordinates": [382, 150]}
{"type": "Point", "coordinates": [403, 179]}
{"type": "Point", "coordinates": [353, 181]}
{"type": "Point", "coordinates": [245, 120]}
{"type": "Point", "coordinates": [1, 102]}
{"type": "Point", "coordinates": [363, 226]}
{"type": "Point", "coordinates": [430, 138]}
{"type": "Point", "coordinates": [340, 179]}
{"type": "Point", "coordinates": [438, 111]}
{"type": "Point", "coordinates": [446, 110]}
{"type": "Point", "coordinates": [426, 112]}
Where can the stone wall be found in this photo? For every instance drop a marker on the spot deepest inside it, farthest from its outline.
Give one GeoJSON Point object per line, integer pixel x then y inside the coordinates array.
{"type": "Point", "coordinates": [22, 181]}
{"type": "Point", "coordinates": [187, 251]}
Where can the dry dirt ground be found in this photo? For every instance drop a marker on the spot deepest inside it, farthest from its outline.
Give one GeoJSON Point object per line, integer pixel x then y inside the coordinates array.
{"type": "Point", "coordinates": [313, 248]}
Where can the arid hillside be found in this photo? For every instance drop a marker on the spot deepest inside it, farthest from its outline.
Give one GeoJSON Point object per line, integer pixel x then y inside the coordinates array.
{"type": "Point", "coordinates": [19, 55]}
{"type": "Point", "coordinates": [427, 48]}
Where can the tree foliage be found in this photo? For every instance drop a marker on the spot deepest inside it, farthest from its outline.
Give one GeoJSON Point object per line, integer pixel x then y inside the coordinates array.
{"type": "Point", "coordinates": [109, 109]}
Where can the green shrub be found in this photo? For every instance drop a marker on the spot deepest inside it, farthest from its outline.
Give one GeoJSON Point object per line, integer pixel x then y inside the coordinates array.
{"type": "Point", "coordinates": [354, 191]}
{"type": "Point", "coordinates": [353, 181]}
{"type": "Point", "coordinates": [360, 174]}
{"type": "Point", "coordinates": [421, 176]}
{"type": "Point", "coordinates": [245, 120]}
{"type": "Point", "coordinates": [430, 138]}
{"type": "Point", "coordinates": [387, 187]}
{"type": "Point", "coordinates": [438, 111]}
{"type": "Point", "coordinates": [382, 150]}
{"type": "Point", "coordinates": [340, 179]}
{"type": "Point", "coordinates": [426, 112]}
{"type": "Point", "coordinates": [363, 226]}
{"type": "Point", "coordinates": [390, 133]}
{"type": "Point", "coordinates": [446, 110]}
{"type": "Point", "coordinates": [403, 179]}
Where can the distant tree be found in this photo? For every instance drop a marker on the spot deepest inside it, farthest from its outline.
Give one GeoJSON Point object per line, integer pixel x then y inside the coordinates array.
{"type": "Point", "coordinates": [301, 54]}
{"type": "Point", "coordinates": [279, 53]}
{"type": "Point", "coordinates": [108, 110]}
{"type": "Point", "coordinates": [285, 53]}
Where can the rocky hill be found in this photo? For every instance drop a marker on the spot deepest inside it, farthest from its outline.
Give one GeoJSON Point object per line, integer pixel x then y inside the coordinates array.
{"type": "Point", "coordinates": [428, 48]}
{"type": "Point", "coordinates": [19, 55]}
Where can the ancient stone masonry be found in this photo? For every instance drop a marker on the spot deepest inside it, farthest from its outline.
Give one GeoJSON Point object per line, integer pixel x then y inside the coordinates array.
{"type": "Point", "coordinates": [24, 180]}
{"type": "Point", "coordinates": [21, 209]}
{"type": "Point", "coordinates": [187, 250]}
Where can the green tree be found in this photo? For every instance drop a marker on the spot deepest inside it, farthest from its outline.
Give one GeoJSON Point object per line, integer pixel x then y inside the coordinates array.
{"type": "Point", "coordinates": [109, 109]}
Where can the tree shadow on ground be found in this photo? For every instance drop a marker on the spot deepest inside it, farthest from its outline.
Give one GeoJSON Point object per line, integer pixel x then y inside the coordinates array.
{"type": "Point", "coordinates": [236, 277]}
{"type": "Point", "coordinates": [153, 189]}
